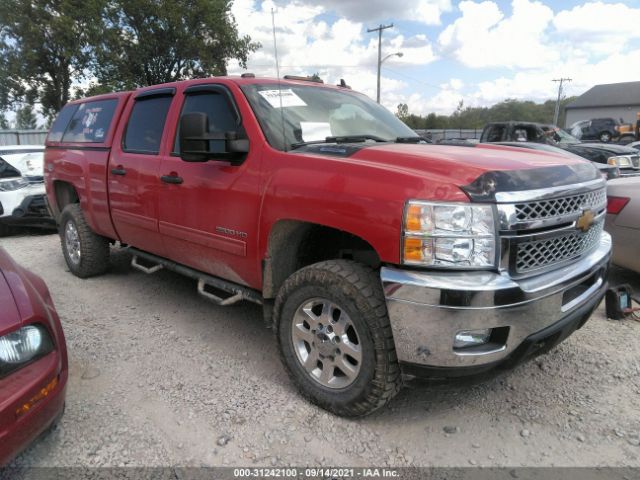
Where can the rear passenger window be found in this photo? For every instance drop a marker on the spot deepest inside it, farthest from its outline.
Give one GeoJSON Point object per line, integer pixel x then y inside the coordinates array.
{"type": "Point", "coordinates": [60, 123]}
{"type": "Point", "coordinates": [144, 130]}
{"type": "Point", "coordinates": [222, 118]}
{"type": "Point", "coordinates": [91, 121]}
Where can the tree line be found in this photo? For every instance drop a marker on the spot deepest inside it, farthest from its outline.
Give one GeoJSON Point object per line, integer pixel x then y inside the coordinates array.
{"type": "Point", "coordinates": [478, 117]}
{"type": "Point", "coordinates": [52, 51]}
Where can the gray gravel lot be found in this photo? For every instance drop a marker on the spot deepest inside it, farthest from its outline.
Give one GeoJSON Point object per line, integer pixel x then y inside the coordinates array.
{"type": "Point", "coordinates": [159, 376]}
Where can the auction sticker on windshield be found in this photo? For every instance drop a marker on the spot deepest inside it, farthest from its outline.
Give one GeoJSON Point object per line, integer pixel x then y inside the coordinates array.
{"type": "Point", "coordinates": [286, 98]}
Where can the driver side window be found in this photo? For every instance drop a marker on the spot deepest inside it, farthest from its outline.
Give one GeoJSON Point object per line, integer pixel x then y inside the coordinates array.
{"type": "Point", "coordinates": [222, 117]}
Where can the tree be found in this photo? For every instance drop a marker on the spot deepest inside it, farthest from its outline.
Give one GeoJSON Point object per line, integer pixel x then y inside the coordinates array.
{"type": "Point", "coordinates": [146, 42]}
{"type": "Point", "coordinates": [478, 117]}
{"type": "Point", "coordinates": [45, 48]}
{"type": "Point", "coordinates": [4, 123]}
{"type": "Point", "coordinates": [26, 119]}
{"type": "Point", "coordinates": [403, 111]}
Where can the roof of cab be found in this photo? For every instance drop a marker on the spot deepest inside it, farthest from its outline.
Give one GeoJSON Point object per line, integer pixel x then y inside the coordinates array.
{"type": "Point", "coordinates": [239, 80]}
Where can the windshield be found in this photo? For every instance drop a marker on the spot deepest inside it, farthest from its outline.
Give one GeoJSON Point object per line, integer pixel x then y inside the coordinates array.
{"type": "Point", "coordinates": [557, 135]}
{"type": "Point", "coordinates": [311, 114]}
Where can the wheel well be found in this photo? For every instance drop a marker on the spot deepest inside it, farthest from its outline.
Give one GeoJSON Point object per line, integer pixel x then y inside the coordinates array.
{"type": "Point", "coordinates": [65, 194]}
{"type": "Point", "coordinates": [295, 244]}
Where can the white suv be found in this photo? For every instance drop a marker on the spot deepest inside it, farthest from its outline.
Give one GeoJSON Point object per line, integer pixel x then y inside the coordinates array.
{"type": "Point", "coordinates": [22, 193]}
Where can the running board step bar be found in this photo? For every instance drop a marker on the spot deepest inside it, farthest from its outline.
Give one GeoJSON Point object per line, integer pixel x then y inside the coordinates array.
{"type": "Point", "coordinates": [219, 291]}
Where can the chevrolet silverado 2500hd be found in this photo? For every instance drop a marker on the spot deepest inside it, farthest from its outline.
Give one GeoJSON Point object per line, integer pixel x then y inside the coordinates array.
{"type": "Point", "coordinates": [372, 252]}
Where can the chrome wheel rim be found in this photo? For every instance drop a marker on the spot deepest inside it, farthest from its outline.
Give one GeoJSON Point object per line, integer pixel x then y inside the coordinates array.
{"type": "Point", "coordinates": [72, 242]}
{"type": "Point", "coordinates": [326, 343]}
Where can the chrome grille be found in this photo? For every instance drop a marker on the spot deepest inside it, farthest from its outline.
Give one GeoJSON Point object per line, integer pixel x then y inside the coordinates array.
{"type": "Point", "coordinates": [559, 207]}
{"type": "Point", "coordinates": [543, 253]}
{"type": "Point", "coordinates": [635, 161]}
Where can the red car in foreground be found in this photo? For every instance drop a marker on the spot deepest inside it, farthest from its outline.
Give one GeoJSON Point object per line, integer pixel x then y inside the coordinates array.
{"type": "Point", "coordinates": [33, 359]}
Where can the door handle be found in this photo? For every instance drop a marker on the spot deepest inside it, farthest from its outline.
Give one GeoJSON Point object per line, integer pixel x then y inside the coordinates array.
{"type": "Point", "coordinates": [175, 179]}
{"type": "Point", "coordinates": [119, 170]}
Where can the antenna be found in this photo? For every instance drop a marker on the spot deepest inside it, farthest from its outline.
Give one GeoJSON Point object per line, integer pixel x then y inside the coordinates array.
{"type": "Point", "coordinates": [275, 49]}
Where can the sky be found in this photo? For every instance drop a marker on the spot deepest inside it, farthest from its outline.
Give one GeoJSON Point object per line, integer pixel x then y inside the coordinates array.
{"type": "Point", "coordinates": [480, 52]}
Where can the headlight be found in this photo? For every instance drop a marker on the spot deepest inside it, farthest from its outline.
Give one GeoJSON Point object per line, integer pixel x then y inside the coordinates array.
{"type": "Point", "coordinates": [620, 161]}
{"type": "Point", "coordinates": [12, 184]}
{"type": "Point", "coordinates": [22, 346]}
{"type": "Point", "coordinates": [457, 235]}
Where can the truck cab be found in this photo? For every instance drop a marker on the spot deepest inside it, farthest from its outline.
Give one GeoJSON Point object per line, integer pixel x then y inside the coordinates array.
{"type": "Point", "coordinates": [372, 252]}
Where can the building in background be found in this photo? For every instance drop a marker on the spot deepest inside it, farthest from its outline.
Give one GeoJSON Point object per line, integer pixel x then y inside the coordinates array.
{"type": "Point", "coordinates": [612, 100]}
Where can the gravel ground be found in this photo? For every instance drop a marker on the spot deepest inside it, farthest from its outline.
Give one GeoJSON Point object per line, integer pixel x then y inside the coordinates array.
{"type": "Point", "coordinates": [159, 376]}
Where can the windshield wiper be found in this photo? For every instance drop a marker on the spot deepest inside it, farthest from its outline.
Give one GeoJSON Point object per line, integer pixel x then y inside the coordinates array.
{"type": "Point", "coordinates": [341, 139]}
{"type": "Point", "coordinates": [293, 146]}
{"type": "Point", "coordinates": [355, 139]}
{"type": "Point", "coordinates": [412, 140]}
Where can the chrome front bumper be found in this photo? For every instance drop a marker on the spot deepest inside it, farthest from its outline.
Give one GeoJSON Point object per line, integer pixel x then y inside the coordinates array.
{"type": "Point", "coordinates": [427, 309]}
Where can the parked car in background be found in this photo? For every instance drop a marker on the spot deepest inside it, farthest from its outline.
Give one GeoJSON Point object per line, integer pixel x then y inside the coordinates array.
{"type": "Point", "coordinates": [623, 157]}
{"type": "Point", "coordinates": [33, 359]}
{"type": "Point", "coordinates": [623, 221]}
{"type": "Point", "coordinates": [22, 192]}
{"type": "Point", "coordinates": [626, 158]}
{"type": "Point", "coordinates": [604, 130]}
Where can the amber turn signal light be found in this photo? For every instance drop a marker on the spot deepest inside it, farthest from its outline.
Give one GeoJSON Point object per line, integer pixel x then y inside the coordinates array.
{"type": "Point", "coordinates": [413, 249]}
{"type": "Point", "coordinates": [413, 222]}
{"type": "Point", "coordinates": [41, 395]}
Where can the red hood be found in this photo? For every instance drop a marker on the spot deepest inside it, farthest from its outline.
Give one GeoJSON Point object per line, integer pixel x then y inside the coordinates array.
{"type": "Point", "coordinates": [459, 165]}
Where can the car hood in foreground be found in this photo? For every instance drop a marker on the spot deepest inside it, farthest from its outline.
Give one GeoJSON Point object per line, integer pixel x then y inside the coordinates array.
{"type": "Point", "coordinates": [9, 316]}
{"type": "Point", "coordinates": [29, 164]}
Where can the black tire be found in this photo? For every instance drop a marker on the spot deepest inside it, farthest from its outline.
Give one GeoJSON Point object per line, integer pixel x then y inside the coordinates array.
{"type": "Point", "coordinates": [358, 291]}
{"type": "Point", "coordinates": [5, 230]}
{"type": "Point", "coordinates": [605, 137]}
{"type": "Point", "coordinates": [94, 249]}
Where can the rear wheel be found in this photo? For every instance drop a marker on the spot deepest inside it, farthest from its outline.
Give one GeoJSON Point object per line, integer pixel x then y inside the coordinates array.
{"type": "Point", "coordinates": [605, 137]}
{"type": "Point", "coordinates": [335, 338]}
{"type": "Point", "coordinates": [86, 253]}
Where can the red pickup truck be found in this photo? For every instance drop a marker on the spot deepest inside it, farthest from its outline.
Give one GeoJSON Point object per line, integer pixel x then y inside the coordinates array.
{"type": "Point", "coordinates": [372, 252]}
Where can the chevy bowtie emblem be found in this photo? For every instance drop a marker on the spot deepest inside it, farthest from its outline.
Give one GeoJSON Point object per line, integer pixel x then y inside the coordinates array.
{"type": "Point", "coordinates": [585, 220]}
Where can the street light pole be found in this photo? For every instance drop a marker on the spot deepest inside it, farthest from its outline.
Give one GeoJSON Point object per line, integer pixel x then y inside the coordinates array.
{"type": "Point", "coordinates": [379, 29]}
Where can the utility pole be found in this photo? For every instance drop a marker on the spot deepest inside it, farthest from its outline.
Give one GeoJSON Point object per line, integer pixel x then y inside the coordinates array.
{"type": "Point", "coordinates": [556, 114]}
{"type": "Point", "coordinates": [379, 29]}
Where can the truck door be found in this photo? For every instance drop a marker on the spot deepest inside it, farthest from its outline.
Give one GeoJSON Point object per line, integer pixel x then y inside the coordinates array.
{"type": "Point", "coordinates": [208, 211]}
{"type": "Point", "coordinates": [133, 170]}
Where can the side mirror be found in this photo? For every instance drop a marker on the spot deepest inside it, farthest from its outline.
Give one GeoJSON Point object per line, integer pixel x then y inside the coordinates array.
{"type": "Point", "coordinates": [193, 129]}
{"type": "Point", "coordinates": [195, 140]}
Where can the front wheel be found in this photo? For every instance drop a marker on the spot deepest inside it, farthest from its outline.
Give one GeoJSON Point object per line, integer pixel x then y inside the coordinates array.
{"type": "Point", "coordinates": [86, 253]}
{"type": "Point", "coordinates": [335, 337]}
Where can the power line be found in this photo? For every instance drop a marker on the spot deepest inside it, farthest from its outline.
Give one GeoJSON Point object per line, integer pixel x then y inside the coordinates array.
{"type": "Point", "coordinates": [556, 113]}
{"type": "Point", "coordinates": [408, 77]}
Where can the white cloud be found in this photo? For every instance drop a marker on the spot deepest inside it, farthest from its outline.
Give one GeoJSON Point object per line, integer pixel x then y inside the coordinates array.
{"type": "Point", "coordinates": [484, 37]}
{"type": "Point", "coordinates": [424, 11]}
{"type": "Point", "coordinates": [599, 27]}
